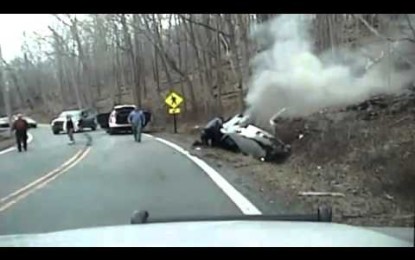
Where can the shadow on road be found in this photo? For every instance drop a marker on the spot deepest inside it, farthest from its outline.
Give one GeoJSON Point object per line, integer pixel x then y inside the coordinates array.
{"type": "Point", "coordinates": [122, 133]}
{"type": "Point", "coordinates": [88, 139]}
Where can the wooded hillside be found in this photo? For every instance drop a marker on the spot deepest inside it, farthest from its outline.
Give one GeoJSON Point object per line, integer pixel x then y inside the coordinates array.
{"type": "Point", "coordinates": [107, 59]}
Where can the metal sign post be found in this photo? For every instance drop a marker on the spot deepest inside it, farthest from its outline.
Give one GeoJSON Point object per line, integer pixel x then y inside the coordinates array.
{"type": "Point", "coordinates": [175, 123]}
{"type": "Point", "coordinates": [174, 112]}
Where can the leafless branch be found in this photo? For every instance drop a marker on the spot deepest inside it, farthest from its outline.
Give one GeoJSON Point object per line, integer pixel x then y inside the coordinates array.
{"type": "Point", "coordinates": [312, 193]}
{"type": "Point", "coordinates": [410, 24]}
{"type": "Point", "coordinates": [121, 47]}
{"type": "Point", "coordinates": [203, 25]}
{"type": "Point", "coordinates": [4, 62]}
{"type": "Point", "coordinates": [60, 19]}
{"type": "Point", "coordinates": [55, 33]}
{"type": "Point", "coordinates": [376, 32]}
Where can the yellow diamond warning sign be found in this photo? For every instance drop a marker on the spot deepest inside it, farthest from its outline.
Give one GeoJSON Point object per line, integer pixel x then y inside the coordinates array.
{"type": "Point", "coordinates": [173, 100]}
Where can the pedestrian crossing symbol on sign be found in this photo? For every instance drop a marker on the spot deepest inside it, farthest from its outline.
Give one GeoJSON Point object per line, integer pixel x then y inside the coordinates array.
{"type": "Point", "coordinates": [173, 100]}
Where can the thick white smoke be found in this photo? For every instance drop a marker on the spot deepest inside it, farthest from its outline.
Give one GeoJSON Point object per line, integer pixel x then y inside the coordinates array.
{"type": "Point", "coordinates": [288, 75]}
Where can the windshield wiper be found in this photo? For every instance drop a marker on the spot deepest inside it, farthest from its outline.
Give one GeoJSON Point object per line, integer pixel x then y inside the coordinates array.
{"type": "Point", "coordinates": [323, 214]}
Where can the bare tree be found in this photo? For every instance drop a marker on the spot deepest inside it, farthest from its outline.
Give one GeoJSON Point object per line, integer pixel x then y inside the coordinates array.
{"type": "Point", "coordinates": [167, 59]}
{"type": "Point", "coordinates": [130, 50]}
{"type": "Point", "coordinates": [107, 59]}
{"type": "Point", "coordinates": [4, 89]}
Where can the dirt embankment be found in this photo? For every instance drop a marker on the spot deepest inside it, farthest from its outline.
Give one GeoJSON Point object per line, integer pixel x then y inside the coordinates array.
{"type": "Point", "coordinates": [364, 155]}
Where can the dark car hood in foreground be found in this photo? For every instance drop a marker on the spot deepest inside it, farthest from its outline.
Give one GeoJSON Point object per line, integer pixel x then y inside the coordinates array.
{"type": "Point", "coordinates": [220, 233]}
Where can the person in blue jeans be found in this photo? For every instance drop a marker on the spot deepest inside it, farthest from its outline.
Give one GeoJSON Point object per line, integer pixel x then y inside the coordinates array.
{"type": "Point", "coordinates": [137, 119]}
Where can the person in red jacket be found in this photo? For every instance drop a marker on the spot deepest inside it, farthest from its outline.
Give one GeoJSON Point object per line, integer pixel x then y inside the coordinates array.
{"type": "Point", "coordinates": [20, 127]}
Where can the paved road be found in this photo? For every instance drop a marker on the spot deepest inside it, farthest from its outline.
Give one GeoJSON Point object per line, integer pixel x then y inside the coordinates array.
{"type": "Point", "coordinates": [114, 179]}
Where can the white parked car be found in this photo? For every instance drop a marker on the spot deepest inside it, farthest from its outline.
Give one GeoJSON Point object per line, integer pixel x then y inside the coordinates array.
{"type": "Point", "coordinates": [59, 124]}
{"type": "Point", "coordinates": [84, 118]}
{"type": "Point", "coordinates": [118, 119]}
{"type": "Point", "coordinates": [4, 122]}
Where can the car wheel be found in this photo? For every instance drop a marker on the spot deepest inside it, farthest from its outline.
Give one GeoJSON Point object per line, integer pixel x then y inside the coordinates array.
{"type": "Point", "coordinates": [55, 132]}
{"type": "Point", "coordinates": [93, 128]}
{"type": "Point", "coordinates": [325, 214]}
{"type": "Point", "coordinates": [111, 131]}
{"type": "Point", "coordinates": [139, 217]}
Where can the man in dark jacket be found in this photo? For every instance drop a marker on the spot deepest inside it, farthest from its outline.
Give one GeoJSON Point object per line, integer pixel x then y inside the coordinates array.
{"type": "Point", "coordinates": [20, 127]}
{"type": "Point", "coordinates": [70, 128]}
{"type": "Point", "coordinates": [211, 132]}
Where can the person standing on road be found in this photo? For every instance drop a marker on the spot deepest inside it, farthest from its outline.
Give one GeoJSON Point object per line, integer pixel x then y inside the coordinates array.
{"type": "Point", "coordinates": [70, 128]}
{"type": "Point", "coordinates": [136, 119]}
{"type": "Point", "coordinates": [20, 127]}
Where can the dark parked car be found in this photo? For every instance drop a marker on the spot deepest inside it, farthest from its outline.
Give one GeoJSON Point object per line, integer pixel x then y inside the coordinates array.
{"type": "Point", "coordinates": [102, 119]}
{"type": "Point", "coordinates": [88, 119]}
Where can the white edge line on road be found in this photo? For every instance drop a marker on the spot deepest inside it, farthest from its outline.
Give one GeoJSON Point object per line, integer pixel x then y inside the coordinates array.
{"type": "Point", "coordinates": [7, 150]}
{"type": "Point", "coordinates": [240, 201]}
{"type": "Point", "coordinates": [29, 140]}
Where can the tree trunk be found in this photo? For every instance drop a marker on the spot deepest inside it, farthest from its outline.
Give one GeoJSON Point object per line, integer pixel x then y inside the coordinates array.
{"type": "Point", "coordinates": [75, 84]}
{"type": "Point", "coordinates": [138, 61]}
{"type": "Point", "coordinates": [232, 53]}
{"type": "Point", "coordinates": [136, 87]}
{"type": "Point", "coordinates": [193, 42]}
{"type": "Point", "coordinates": [179, 51]}
{"type": "Point", "coordinates": [207, 63]}
{"type": "Point", "coordinates": [218, 71]}
{"type": "Point", "coordinates": [331, 32]}
{"type": "Point", "coordinates": [18, 88]}
{"type": "Point", "coordinates": [5, 90]}
{"type": "Point", "coordinates": [158, 47]}
{"type": "Point", "coordinates": [83, 60]}
{"type": "Point", "coordinates": [156, 70]}
{"type": "Point", "coordinates": [261, 18]}
{"type": "Point", "coordinates": [59, 65]}
{"type": "Point", "coordinates": [168, 60]}
{"type": "Point", "coordinates": [245, 49]}
{"type": "Point", "coordinates": [118, 67]}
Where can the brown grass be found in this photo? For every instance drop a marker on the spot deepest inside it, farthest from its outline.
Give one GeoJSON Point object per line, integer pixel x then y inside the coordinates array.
{"type": "Point", "coordinates": [370, 161]}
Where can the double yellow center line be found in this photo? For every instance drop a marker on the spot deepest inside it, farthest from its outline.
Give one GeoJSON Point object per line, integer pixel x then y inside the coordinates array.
{"type": "Point", "coordinates": [22, 193]}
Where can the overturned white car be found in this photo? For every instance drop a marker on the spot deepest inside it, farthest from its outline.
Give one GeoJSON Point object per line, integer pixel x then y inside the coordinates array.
{"type": "Point", "coordinates": [237, 134]}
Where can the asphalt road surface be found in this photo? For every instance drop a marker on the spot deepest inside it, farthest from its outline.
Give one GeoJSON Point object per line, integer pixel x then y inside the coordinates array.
{"type": "Point", "coordinates": [55, 186]}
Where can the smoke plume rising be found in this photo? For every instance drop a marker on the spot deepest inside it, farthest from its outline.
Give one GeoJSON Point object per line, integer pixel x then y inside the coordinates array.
{"type": "Point", "coordinates": [289, 75]}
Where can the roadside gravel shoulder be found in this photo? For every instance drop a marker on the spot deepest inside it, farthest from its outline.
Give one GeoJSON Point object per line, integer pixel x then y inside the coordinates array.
{"type": "Point", "coordinates": [240, 171]}
{"type": "Point", "coordinates": [275, 188]}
